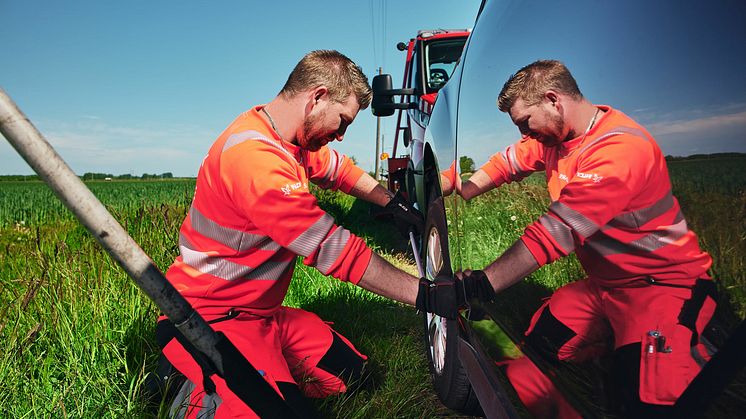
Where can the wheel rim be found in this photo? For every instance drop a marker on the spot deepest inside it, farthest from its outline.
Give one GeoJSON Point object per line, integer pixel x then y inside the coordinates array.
{"type": "Point", "coordinates": [436, 325]}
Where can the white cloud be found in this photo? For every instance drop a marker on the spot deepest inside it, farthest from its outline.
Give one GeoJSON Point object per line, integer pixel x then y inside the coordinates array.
{"type": "Point", "coordinates": [91, 144]}
{"type": "Point", "coordinates": [699, 125]}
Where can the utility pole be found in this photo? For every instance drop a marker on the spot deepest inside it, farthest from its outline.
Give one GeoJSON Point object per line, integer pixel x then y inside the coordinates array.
{"type": "Point", "coordinates": [378, 141]}
{"type": "Point", "coordinates": [383, 151]}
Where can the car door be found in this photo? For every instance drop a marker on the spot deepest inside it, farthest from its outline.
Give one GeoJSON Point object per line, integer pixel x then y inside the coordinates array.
{"type": "Point", "coordinates": [659, 62]}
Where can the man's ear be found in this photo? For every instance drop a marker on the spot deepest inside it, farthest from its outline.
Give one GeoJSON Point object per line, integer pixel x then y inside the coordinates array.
{"type": "Point", "coordinates": [552, 97]}
{"type": "Point", "coordinates": [320, 93]}
{"type": "Point", "coordinates": [315, 96]}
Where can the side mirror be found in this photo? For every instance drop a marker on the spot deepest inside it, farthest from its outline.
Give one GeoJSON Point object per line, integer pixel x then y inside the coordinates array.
{"type": "Point", "coordinates": [383, 101]}
{"type": "Point", "coordinates": [383, 96]}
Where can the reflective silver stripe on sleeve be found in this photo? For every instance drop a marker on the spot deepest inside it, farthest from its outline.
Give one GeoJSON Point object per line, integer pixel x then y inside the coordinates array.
{"type": "Point", "coordinates": [215, 266]}
{"type": "Point", "coordinates": [504, 155]}
{"type": "Point", "coordinates": [517, 170]}
{"type": "Point", "coordinates": [577, 221]}
{"type": "Point", "coordinates": [271, 270]}
{"type": "Point", "coordinates": [642, 216]}
{"type": "Point", "coordinates": [617, 131]}
{"type": "Point", "coordinates": [269, 245]}
{"type": "Point", "coordinates": [235, 239]}
{"type": "Point", "coordinates": [309, 240]}
{"type": "Point", "coordinates": [332, 171]}
{"type": "Point", "coordinates": [561, 232]}
{"type": "Point", "coordinates": [660, 238]}
{"type": "Point", "coordinates": [240, 137]}
{"type": "Point", "coordinates": [227, 270]}
{"type": "Point", "coordinates": [331, 248]}
{"type": "Point", "coordinates": [606, 246]}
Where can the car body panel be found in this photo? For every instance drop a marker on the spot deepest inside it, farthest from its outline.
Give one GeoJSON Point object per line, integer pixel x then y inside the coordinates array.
{"type": "Point", "coordinates": [619, 52]}
{"type": "Point", "coordinates": [602, 47]}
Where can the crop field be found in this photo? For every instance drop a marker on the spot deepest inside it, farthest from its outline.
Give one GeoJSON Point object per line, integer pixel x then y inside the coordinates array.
{"type": "Point", "coordinates": [76, 334]}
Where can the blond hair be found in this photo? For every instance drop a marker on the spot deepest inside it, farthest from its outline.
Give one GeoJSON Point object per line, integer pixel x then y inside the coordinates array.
{"type": "Point", "coordinates": [532, 81]}
{"type": "Point", "coordinates": [331, 69]}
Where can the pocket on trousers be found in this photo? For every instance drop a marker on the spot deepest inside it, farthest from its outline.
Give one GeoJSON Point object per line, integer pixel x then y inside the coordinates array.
{"type": "Point", "coordinates": [664, 365]}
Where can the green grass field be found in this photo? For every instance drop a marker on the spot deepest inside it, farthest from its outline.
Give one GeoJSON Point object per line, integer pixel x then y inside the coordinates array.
{"type": "Point", "coordinates": [76, 334]}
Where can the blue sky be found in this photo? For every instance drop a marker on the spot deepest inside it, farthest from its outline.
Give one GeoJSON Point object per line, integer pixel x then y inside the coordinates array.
{"type": "Point", "coordinates": [146, 86]}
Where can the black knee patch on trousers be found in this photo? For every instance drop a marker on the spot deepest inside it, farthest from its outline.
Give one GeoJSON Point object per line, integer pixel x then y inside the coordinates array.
{"type": "Point", "coordinates": [344, 362]}
{"type": "Point", "coordinates": [691, 308]}
{"type": "Point", "coordinates": [295, 399]}
{"type": "Point", "coordinates": [165, 331]}
{"type": "Point", "coordinates": [549, 335]}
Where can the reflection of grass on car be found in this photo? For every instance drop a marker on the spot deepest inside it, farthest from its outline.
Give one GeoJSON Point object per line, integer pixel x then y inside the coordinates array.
{"type": "Point", "coordinates": [712, 194]}
{"type": "Point", "coordinates": [493, 223]}
{"type": "Point", "coordinates": [497, 219]}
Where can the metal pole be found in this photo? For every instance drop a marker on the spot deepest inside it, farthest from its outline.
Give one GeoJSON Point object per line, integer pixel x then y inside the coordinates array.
{"type": "Point", "coordinates": [68, 187]}
{"type": "Point", "coordinates": [383, 151]}
{"type": "Point", "coordinates": [378, 140]}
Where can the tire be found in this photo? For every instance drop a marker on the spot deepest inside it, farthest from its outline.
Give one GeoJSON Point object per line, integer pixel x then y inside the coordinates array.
{"type": "Point", "coordinates": [442, 335]}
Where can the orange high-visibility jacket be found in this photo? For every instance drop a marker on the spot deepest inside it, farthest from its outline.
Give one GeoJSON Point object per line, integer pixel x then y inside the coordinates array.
{"type": "Point", "coordinates": [611, 204]}
{"type": "Point", "coordinates": [252, 214]}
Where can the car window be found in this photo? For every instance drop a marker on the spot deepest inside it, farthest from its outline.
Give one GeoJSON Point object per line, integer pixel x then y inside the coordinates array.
{"type": "Point", "coordinates": [441, 57]}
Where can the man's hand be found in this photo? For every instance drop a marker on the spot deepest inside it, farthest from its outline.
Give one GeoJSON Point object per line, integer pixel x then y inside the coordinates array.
{"type": "Point", "coordinates": [439, 297]}
{"type": "Point", "coordinates": [406, 216]}
{"type": "Point", "coordinates": [476, 285]}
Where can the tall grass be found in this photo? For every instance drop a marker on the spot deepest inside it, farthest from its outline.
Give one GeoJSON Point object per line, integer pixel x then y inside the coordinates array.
{"type": "Point", "coordinates": [76, 332]}
{"type": "Point", "coordinates": [712, 195]}
{"type": "Point", "coordinates": [77, 336]}
{"type": "Point", "coordinates": [499, 218]}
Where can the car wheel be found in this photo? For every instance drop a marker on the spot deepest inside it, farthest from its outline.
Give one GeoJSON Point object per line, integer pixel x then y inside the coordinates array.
{"type": "Point", "coordinates": [441, 335]}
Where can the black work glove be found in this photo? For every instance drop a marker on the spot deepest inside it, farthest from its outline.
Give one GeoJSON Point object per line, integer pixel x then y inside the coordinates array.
{"type": "Point", "coordinates": [476, 285]}
{"type": "Point", "coordinates": [406, 216]}
{"type": "Point", "coordinates": [438, 297]}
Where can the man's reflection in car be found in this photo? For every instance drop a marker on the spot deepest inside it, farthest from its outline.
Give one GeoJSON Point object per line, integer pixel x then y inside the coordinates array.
{"type": "Point", "coordinates": [647, 296]}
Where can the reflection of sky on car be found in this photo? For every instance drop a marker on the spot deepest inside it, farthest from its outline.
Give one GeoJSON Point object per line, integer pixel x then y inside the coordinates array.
{"type": "Point", "coordinates": [678, 68]}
